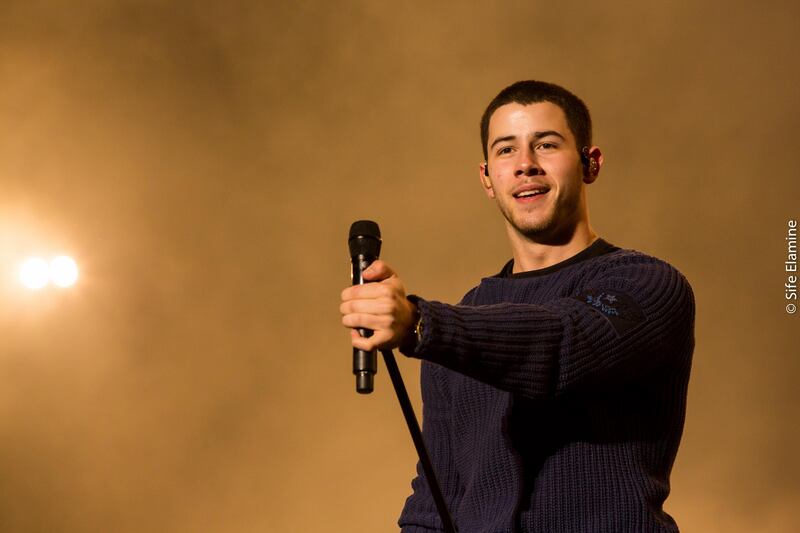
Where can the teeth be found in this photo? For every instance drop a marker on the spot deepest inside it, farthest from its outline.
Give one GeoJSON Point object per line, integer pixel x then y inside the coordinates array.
{"type": "Point", "coordinates": [529, 193]}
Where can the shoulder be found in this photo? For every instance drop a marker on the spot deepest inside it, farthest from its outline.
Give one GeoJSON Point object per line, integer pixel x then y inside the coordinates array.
{"type": "Point", "coordinates": [469, 298]}
{"type": "Point", "coordinates": [642, 280]}
{"type": "Point", "coordinates": [621, 269]}
{"type": "Point", "coordinates": [637, 266]}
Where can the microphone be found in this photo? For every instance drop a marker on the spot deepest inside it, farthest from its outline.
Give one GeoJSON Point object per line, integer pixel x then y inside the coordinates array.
{"type": "Point", "coordinates": [365, 247]}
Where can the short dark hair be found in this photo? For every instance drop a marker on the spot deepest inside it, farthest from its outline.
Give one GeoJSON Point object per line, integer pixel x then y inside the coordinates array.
{"type": "Point", "coordinates": [531, 92]}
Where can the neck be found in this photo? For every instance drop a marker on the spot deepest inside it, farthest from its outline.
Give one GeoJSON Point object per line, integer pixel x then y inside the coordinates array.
{"type": "Point", "coordinates": [533, 253]}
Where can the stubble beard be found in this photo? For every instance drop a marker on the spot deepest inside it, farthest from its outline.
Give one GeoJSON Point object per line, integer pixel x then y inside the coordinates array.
{"type": "Point", "coordinates": [543, 224]}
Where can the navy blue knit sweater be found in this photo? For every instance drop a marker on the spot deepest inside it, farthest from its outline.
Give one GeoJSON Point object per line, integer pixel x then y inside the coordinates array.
{"type": "Point", "coordinates": [554, 400]}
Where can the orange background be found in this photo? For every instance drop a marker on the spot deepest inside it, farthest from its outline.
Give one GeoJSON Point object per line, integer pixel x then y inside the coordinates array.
{"type": "Point", "coordinates": [203, 161]}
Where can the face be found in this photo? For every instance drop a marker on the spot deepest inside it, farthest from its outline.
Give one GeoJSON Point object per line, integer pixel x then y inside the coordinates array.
{"type": "Point", "coordinates": [535, 171]}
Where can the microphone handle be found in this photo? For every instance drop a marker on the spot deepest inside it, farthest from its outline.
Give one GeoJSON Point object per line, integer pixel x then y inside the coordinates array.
{"type": "Point", "coordinates": [365, 363]}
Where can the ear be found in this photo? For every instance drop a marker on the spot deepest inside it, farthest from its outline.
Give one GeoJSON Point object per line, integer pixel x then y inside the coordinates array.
{"type": "Point", "coordinates": [595, 164]}
{"type": "Point", "coordinates": [486, 181]}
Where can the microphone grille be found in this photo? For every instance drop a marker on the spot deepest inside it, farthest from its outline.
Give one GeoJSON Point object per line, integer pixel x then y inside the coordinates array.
{"type": "Point", "coordinates": [364, 228]}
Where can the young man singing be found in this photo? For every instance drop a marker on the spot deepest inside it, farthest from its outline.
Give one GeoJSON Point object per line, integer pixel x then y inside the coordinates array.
{"type": "Point", "coordinates": [554, 394]}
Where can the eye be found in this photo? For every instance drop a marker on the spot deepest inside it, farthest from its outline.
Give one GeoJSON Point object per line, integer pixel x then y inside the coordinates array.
{"type": "Point", "coordinates": [504, 150]}
{"type": "Point", "coordinates": [546, 146]}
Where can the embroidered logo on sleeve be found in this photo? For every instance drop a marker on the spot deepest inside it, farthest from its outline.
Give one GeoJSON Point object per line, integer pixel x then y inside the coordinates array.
{"type": "Point", "coordinates": [619, 308]}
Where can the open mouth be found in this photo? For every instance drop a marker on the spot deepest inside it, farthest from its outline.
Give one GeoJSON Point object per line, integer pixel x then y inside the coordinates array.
{"type": "Point", "coordinates": [531, 193]}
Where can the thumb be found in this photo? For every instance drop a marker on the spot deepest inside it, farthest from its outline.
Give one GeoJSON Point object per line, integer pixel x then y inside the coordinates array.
{"type": "Point", "coordinates": [378, 271]}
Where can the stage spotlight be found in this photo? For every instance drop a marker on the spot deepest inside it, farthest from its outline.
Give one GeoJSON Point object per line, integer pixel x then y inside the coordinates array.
{"type": "Point", "coordinates": [34, 273]}
{"type": "Point", "coordinates": [63, 271]}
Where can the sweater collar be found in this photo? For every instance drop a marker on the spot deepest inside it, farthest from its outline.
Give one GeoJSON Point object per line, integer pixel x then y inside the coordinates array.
{"type": "Point", "coordinates": [597, 248]}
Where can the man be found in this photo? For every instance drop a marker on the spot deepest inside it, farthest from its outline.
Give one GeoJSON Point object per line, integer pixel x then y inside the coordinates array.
{"type": "Point", "coordinates": [554, 394]}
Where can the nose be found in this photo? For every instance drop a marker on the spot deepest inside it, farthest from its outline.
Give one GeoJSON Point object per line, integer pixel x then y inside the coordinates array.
{"type": "Point", "coordinates": [527, 165]}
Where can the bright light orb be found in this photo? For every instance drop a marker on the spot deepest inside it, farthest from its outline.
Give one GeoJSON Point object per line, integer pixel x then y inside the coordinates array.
{"type": "Point", "coordinates": [34, 273]}
{"type": "Point", "coordinates": [63, 271]}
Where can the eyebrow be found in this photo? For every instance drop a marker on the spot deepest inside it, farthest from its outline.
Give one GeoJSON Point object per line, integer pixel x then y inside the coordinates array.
{"type": "Point", "coordinates": [536, 136]}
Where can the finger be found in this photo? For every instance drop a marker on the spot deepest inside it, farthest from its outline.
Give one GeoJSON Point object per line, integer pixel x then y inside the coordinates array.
{"type": "Point", "coordinates": [363, 320]}
{"type": "Point", "coordinates": [362, 343]}
{"type": "Point", "coordinates": [370, 343]}
{"type": "Point", "coordinates": [378, 271]}
{"type": "Point", "coordinates": [358, 341]}
{"type": "Point", "coordinates": [367, 291]}
{"type": "Point", "coordinates": [381, 306]}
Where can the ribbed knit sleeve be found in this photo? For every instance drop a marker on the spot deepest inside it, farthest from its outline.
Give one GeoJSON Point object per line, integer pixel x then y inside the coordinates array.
{"type": "Point", "coordinates": [610, 329]}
